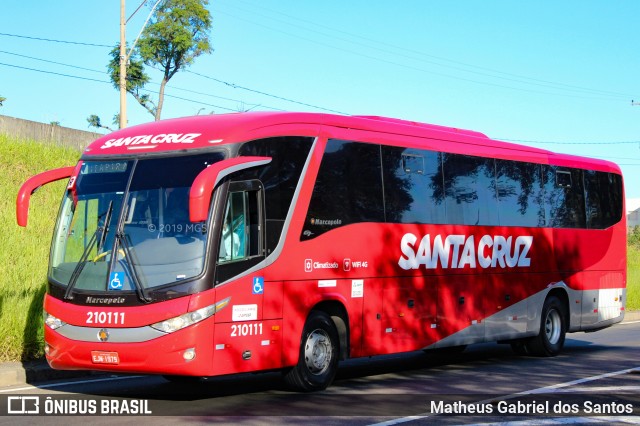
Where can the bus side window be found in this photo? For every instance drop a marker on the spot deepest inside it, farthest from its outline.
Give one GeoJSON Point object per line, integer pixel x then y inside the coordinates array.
{"type": "Point", "coordinates": [412, 163]}
{"type": "Point", "coordinates": [240, 237]}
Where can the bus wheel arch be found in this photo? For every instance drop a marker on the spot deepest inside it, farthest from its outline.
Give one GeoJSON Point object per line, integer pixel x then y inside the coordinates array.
{"type": "Point", "coordinates": [554, 323]}
{"type": "Point", "coordinates": [318, 354]}
{"type": "Point", "coordinates": [340, 318]}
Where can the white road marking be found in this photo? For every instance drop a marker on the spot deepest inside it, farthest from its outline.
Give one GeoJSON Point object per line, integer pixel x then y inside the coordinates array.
{"type": "Point", "coordinates": [567, 421]}
{"type": "Point", "coordinates": [546, 389]}
{"type": "Point", "coordinates": [57, 385]}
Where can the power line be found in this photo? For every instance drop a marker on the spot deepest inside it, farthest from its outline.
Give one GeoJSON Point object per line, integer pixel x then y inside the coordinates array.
{"type": "Point", "coordinates": [108, 82]}
{"type": "Point", "coordinates": [423, 70]}
{"type": "Point", "coordinates": [232, 85]}
{"type": "Point", "coordinates": [236, 86]}
{"type": "Point", "coordinates": [56, 41]}
{"type": "Point", "coordinates": [439, 58]}
{"type": "Point", "coordinates": [515, 78]}
{"type": "Point", "coordinates": [55, 73]}
{"type": "Point", "coordinates": [215, 96]}
{"type": "Point", "coordinates": [376, 43]}
{"type": "Point", "coordinates": [146, 90]}
{"type": "Point", "coordinates": [223, 98]}
{"type": "Point", "coordinates": [51, 62]}
{"type": "Point", "coordinates": [194, 101]}
{"type": "Point", "coordinates": [152, 83]}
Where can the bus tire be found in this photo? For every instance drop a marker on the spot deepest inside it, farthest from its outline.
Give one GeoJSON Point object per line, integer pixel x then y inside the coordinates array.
{"type": "Point", "coordinates": [318, 360]}
{"type": "Point", "coordinates": [519, 347]}
{"type": "Point", "coordinates": [553, 328]}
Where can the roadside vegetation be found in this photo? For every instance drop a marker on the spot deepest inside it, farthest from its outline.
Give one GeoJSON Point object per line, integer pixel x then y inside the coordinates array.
{"type": "Point", "coordinates": [24, 251]}
{"type": "Point", "coordinates": [633, 268]}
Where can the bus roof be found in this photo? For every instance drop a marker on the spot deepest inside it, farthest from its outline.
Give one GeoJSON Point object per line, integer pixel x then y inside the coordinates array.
{"type": "Point", "coordinates": [208, 131]}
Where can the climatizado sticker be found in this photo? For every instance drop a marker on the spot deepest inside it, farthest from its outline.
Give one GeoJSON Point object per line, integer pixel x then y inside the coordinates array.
{"type": "Point", "coordinates": [459, 251]}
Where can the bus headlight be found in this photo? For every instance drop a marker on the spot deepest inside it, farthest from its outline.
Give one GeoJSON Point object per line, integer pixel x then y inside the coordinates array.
{"type": "Point", "coordinates": [51, 321]}
{"type": "Point", "coordinates": [178, 323]}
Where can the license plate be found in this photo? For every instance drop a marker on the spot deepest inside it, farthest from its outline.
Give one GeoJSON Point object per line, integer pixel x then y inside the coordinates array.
{"type": "Point", "coordinates": [100, 357]}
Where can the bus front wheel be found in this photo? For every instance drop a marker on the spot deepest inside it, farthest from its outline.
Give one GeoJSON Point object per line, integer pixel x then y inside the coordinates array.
{"type": "Point", "coordinates": [553, 328]}
{"type": "Point", "coordinates": [318, 359]}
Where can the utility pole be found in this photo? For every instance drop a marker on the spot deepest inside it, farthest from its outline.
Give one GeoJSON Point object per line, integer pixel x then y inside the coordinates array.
{"type": "Point", "coordinates": [124, 57]}
{"type": "Point", "coordinates": [123, 67]}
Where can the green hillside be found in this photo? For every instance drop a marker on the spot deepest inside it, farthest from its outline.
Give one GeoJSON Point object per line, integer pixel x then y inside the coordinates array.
{"type": "Point", "coordinates": [24, 251]}
{"type": "Point", "coordinates": [633, 266]}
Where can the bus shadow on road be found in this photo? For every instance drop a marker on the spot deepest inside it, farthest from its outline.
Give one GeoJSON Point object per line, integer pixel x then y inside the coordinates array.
{"type": "Point", "coordinates": [420, 372]}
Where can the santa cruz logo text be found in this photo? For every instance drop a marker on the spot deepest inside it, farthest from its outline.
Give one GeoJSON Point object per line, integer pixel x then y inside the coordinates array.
{"type": "Point", "coordinates": [152, 139]}
{"type": "Point", "coordinates": [460, 251]}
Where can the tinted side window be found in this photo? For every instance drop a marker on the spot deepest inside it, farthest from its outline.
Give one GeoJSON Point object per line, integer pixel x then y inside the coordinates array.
{"type": "Point", "coordinates": [413, 186]}
{"type": "Point", "coordinates": [604, 199]}
{"type": "Point", "coordinates": [520, 193]}
{"type": "Point", "coordinates": [564, 197]}
{"type": "Point", "coordinates": [348, 188]}
{"type": "Point", "coordinates": [470, 189]}
{"type": "Point", "coordinates": [280, 177]}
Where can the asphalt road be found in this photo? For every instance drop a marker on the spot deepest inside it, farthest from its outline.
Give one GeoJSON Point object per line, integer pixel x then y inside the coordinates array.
{"type": "Point", "coordinates": [595, 379]}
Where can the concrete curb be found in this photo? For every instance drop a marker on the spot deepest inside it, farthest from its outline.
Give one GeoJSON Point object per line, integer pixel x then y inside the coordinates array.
{"type": "Point", "coordinates": [21, 373]}
{"type": "Point", "coordinates": [17, 373]}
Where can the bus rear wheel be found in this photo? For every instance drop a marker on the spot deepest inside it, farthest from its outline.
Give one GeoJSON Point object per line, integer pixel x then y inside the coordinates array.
{"type": "Point", "coordinates": [553, 328]}
{"type": "Point", "coordinates": [318, 359]}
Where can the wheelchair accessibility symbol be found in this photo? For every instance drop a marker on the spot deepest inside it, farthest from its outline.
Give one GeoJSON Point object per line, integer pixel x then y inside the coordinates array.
{"type": "Point", "coordinates": [116, 280]}
{"type": "Point", "coordinates": [258, 285]}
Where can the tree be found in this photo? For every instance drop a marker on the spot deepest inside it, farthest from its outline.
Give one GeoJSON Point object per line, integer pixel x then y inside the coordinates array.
{"type": "Point", "coordinates": [2, 99]}
{"type": "Point", "coordinates": [176, 35]}
{"type": "Point", "coordinates": [94, 121]}
{"type": "Point", "coordinates": [136, 78]}
{"type": "Point", "coordinates": [634, 237]}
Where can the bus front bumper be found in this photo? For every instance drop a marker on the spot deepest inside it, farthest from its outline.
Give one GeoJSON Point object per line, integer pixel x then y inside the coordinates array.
{"type": "Point", "coordinates": [183, 352]}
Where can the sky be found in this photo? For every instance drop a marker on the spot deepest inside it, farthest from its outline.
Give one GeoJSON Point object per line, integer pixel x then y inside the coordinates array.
{"type": "Point", "coordinates": [558, 75]}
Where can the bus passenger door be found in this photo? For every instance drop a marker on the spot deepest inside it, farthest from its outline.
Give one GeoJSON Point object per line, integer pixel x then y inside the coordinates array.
{"type": "Point", "coordinates": [245, 340]}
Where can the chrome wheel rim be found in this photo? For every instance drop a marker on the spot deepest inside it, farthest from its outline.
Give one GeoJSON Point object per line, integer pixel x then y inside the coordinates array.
{"type": "Point", "coordinates": [552, 326]}
{"type": "Point", "coordinates": [317, 352]}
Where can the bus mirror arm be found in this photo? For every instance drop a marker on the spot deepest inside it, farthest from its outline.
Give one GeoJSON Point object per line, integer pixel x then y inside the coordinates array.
{"type": "Point", "coordinates": [203, 185]}
{"type": "Point", "coordinates": [32, 184]}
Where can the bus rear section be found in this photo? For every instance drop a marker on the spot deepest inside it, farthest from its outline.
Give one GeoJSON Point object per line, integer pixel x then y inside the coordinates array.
{"type": "Point", "coordinates": [450, 248]}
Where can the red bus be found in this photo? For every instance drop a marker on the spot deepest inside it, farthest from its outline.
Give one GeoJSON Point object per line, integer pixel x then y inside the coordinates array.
{"type": "Point", "coordinates": [214, 245]}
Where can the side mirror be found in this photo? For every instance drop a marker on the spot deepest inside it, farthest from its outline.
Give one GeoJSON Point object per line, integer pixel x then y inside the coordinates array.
{"type": "Point", "coordinates": [203, 185]}
{"type": "Point", "coordinates": [32, 184]}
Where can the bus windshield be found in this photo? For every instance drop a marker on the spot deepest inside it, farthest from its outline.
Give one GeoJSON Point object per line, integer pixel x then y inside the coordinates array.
{"type": "Point", "coordinates": [124, 226]}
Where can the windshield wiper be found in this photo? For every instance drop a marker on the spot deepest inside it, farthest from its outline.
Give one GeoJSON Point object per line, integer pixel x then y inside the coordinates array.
{"type": "Point", "coordinates": [107, 221]}
{"type": "Point", "coordinates": [131, 260]}
{"type": "Point", "coordinates": [102, 230]}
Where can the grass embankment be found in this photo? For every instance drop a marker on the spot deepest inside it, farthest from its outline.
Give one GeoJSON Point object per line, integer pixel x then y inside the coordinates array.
{"type": "Point", "coordinates": [633, 278]}
{"type": "Point", "coordinates": [24, 252]}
